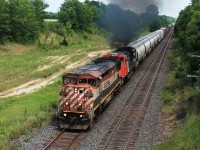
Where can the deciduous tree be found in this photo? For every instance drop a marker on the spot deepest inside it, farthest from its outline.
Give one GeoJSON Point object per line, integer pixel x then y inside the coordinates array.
{"type": "Point", "coordinates": [4, 20]}
{"type": "Point", "coordinates": [79, 15]}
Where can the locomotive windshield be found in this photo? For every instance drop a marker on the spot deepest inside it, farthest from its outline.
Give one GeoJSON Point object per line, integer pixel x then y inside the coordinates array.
{"type": "Point", "coordinates": [75, 81]}
{"type": "Point", "coordinates": [91, 82]}
{"type": "Point", "coordinates": [66, 80]}
{"type": "Point", "coordinates": [70, 80]}
{"type": "Point", "coordinates": [82, 81]}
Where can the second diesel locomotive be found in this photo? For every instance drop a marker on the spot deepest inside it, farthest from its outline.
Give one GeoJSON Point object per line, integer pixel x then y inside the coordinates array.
{"type": "Point", "coordinates": [88, 89]}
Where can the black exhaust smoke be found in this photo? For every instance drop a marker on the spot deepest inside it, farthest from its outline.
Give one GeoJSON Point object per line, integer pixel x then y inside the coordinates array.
{"type": "Point", "coordinates": [125, 23]}
{"type": "Point", "coordinates": [138, 6]}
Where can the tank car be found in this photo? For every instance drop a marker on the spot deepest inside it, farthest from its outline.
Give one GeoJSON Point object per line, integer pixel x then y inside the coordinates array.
{"type": "Point", "coordinates": [85, 91]}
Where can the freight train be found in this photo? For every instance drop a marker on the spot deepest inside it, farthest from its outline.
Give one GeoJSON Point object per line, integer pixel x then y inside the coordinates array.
{"type": "Point", "coordinates": [88, 89]}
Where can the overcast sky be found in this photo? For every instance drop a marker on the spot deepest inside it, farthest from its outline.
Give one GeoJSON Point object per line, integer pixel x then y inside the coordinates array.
{"type": "Point", "coordinates": [169, 8]}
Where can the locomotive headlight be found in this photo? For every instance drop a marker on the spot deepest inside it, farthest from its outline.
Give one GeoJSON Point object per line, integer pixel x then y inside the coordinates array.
{"type": "Point", "coordinates": [65, 114]}
{"type": "Point", "coordinates": [81, 116]}
{"type": "Point", "coordinates": [67, 103]}
{"type": "Point", "coordinates": [75, 90]}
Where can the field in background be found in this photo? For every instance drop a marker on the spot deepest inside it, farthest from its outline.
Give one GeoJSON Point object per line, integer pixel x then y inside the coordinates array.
{"type": "Point", "coordinates": [20, 64]}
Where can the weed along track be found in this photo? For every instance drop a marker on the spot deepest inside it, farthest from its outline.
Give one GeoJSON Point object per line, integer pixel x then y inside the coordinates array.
{"type": "Point", "coordinates": [63, 141]}
{"type": "Point", "coordinates": [124, 132]}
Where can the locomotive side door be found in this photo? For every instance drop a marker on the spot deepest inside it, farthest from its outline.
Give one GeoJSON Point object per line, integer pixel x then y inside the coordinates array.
{"type": "Point", "coordinates": [99, 84]}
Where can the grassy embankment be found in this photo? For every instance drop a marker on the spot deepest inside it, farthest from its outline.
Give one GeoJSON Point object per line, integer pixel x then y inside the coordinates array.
{"type": "Point", "coordinates": [181, 98]}
{"type": "Point", "coordinates": [20, 64]}
{"type": "Point", "coordinates": [185, 137]}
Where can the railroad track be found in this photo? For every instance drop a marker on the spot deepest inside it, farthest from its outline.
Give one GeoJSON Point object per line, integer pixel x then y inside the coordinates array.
{"type": "Point", "coordinates": [63, 141]}
{"type": "Point", "coordinates": [124, 132]}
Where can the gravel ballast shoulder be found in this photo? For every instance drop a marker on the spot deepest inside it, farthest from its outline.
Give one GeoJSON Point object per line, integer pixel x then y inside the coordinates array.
{"type": "Point", "coordinates": [148, 131]}
{"type": "Point", "coordinates": [38, 137]}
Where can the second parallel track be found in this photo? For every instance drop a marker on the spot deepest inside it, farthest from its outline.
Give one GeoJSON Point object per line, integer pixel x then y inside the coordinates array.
{"type": "Point", "coordinates": [124, 132]}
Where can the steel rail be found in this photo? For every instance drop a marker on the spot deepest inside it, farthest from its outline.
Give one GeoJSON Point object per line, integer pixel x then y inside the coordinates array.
{"type": "Point", "coordinates": [68, 143]}
{"type": "Point", "coordinates": [73, 141]}
{"type": "Point", "coordinates": [154, 77]}
{"type": "Point", "coordinates": [61, 132]}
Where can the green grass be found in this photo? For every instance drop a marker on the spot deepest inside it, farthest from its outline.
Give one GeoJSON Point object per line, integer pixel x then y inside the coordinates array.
{"type": "Point", "coordinates": [19, 115]}
{"type": "Point", "coordinates": [186, 137]}
{"type": "Point", "coordinates": [20, 67]}
{"type": "Point", "coordinates": [179, 91]}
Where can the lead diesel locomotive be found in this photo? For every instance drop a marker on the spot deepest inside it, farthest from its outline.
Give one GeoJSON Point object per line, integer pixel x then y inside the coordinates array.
{"type": "Point", "coordinates": [88, 89]}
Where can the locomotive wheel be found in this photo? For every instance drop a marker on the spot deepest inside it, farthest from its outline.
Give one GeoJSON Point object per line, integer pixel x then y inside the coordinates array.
{"type": "Point", "coordinates": [100, 110]}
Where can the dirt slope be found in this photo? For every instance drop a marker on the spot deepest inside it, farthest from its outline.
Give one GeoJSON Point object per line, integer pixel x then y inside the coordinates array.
{"type": "Point", "coordinates": [35, 85]}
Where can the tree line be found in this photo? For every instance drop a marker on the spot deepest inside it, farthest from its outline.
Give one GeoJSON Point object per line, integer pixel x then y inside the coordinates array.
{"type": "Point", "coordinates": [181, 94]}
{"type": "Point", "coordinates": [21, 20]}
{"type": "Point", "coordinates": [123, 24]}
{"type": "Point", "coordinates": [187, 31]}
{"type": "Point", "coordinates": [184, 80]}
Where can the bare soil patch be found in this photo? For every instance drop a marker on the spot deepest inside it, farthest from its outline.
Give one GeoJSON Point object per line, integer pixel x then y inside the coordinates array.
{"type": "Point", "coordinates": [53, 60]}
{"type": "Point", "coordinates": [36, 84]}
{"type": "Point", "coordinates": [167, 124]}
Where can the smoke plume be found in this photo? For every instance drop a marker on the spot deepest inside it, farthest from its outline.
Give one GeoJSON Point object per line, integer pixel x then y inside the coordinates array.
{"type": "Point", "coordinates": [126, 19]}
{"type": "Point", "coordinates": [123, 24]}
{"type": "Point", "coordinates": [138, 6]}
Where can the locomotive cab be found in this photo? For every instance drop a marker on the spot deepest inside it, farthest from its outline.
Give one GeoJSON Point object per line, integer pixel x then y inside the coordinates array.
{"type": "Point", "coordinates": [76, 101]}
